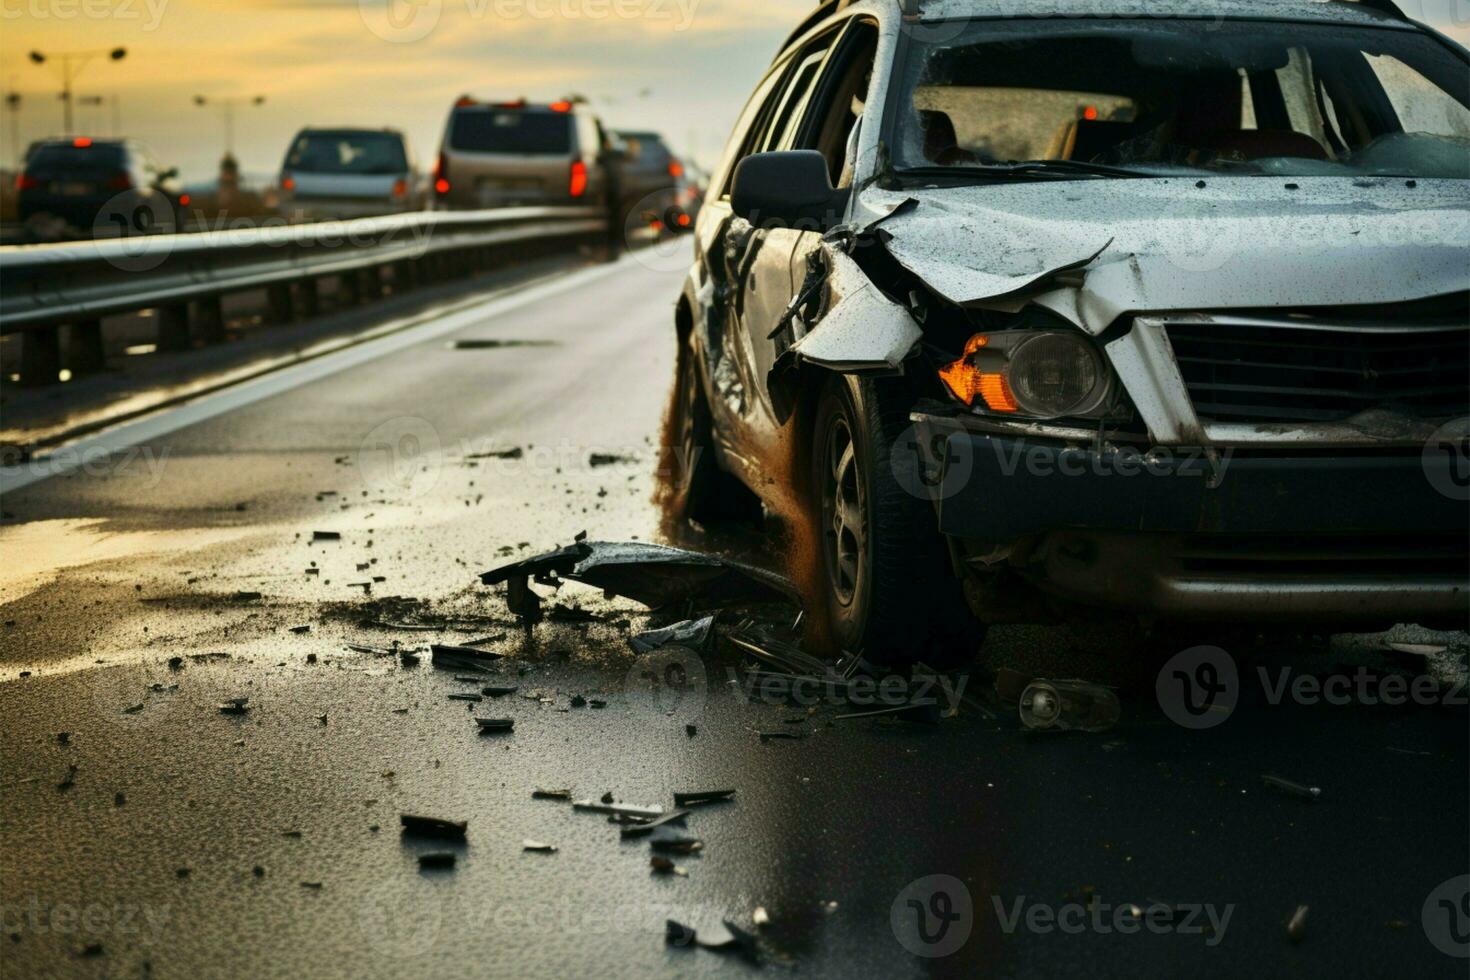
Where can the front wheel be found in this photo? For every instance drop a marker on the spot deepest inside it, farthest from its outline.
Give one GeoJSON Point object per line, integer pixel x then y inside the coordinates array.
{"type": "Point", "coordinates": [888, 587]}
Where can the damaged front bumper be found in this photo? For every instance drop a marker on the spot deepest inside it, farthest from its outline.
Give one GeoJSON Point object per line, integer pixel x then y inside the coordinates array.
{"type": "Point", "coordinates": [1283, 534]}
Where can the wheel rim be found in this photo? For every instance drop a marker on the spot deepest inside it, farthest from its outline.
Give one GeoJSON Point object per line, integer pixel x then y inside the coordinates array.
{"type": "Point", "coordinates": [844, 523]}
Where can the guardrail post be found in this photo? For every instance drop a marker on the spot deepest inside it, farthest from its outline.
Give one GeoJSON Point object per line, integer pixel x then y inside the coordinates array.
{"type": "Point", "coordinates": [40, 355]}
{"type": "Point", "coordinates": [84, 351]}
{"type": "Point", "coordinates": [209, 317]}
{"type": "Point", "coordinates": [372, 283]}
{"type": "Point", "coordinates": [173, 328]}
{"type": "Point", "coordinates": [349, 289]}
{"type": "Point", "coordinates": [279, 304]}
{"type": "Point", "coordinates": [309, 304]}
{"type": "Point", "coordinates": [403, 278]}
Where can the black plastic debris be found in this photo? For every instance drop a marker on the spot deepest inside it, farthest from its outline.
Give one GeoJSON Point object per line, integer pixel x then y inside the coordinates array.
{"type": "Point", "coordinates": [235, 706]}
{"type": "Point", "coordinates": [674, 843]}
{"type": "Point", "coordinates": [466, 697]}
{"type": "Point", "coordinates": [678, 934]}
{"type": "Point", "coordinates": [447, 657]}
{"type": "Point", "coordinates": [551, 794]}
{"type": "Point", "coordinates": [488, 725]}
{"type": "Point", "coordinates": [691, 633]}
{"type": "Point", "coordinates": [702, 796]}
{"type": "Point", "coordinates": [326, 536]}
{"type": "Point", "coordinates": [663, 866]}
{"type": "Point", "coordinates": [1290, 788]}
{"type": "Point", "coordinates": [608, 459]}
{"type": "Point", "coordinates": [788, 735]}
{"type": "Point", "coordinates": [691, 730]}
{"type": "Point", "coordinates": [301, 629]}
{"type": "Point", "coordinates": [438, 860]}
{"type": "Point", "coordinates": [654, 575]}
{"type": "Point", "coordinates": [538, 846]}
{"type": "Point", "coordinates": [248, 596]}
{"type": "Point", "coordinates": [497, 692]}
{"type": "Point", "coordinates": [175, 663]}
{"type": "Point", "coordinates": [515, 452]}
{"type": "Point", "coordinates": [408, 659]}
{"type": "Point", "coordinates": [784, 656]}
{"type": "Point", "coordinates": [433, 827]}
{"type": "Point", "coordinates": [644, 829]}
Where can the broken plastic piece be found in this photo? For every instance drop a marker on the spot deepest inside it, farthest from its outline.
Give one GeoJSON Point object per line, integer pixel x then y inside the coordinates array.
{"type": "Point", "coordinates": [466, 697]}
{"type": "Point", "coordinates": [1296, 929]}
{"type": "Point", "coordinates": [234, 706]}
{"type": "Point", "coordinates": [1290, 788]}
{"type": "Point", "coordinates": [497, 692]}
{"type": "Point", "coordinates": [702, 796]}
{"type": "Point", "coordinates": [654, 575]}
{"type": "Point", "coordinates": [643, 829]}
{"type": "Point", "coordinates": [663, 866]}
{"type": "Point", "coordinates": [1069, 705]}
{"type": "Point", "coordinates": [536, 845]}
{"type": "Point", "coordinates": [691, 633]}
{"type": "Point", "coordinates": [551, 794]}
{"type": "Point", "coordinates": [326, 536]}
{"type": "Point", "coordinates": [434, 827]}
{"type": "Point", "coordinates": [437, 860]}
{"type": "Point", "coordinates": [620, 809]}
{"type": "Point", "coordinates": [495, 724]}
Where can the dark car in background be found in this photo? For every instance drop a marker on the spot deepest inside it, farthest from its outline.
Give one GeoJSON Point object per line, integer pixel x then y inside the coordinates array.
{"type": "Point", "coordinates": [650, 177]}
{"type": "Point", "coordinates": [349, 173]}
{"type": "Point", "coordinates": [510, 154]}
{"type": "Point", "coordinates": [97, 188]}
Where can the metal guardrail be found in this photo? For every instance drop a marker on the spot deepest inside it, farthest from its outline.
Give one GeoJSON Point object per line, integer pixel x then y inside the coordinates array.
{"type": "Point", "coordinates": [45, 287]}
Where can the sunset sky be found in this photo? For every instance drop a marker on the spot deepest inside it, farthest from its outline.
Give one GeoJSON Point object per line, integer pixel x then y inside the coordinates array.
{"type": "Point", "coordinates": [681, 66]}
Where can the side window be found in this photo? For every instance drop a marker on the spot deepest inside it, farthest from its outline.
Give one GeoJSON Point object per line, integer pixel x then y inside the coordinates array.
{"type": "Point", "coordinates": [794, 98]}
{"type": "Point", "coordinates": [749, 128]}
{"type": "Point", "coordinates": [829, 123]}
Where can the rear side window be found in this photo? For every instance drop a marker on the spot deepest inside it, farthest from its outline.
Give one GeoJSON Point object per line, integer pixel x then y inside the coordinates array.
{"type": "Point", "coordinates": [326, 152]}
{"type": "Point", "coordinates": [64, 156]}
{"type": "Point", "coordinates": [511, 131]}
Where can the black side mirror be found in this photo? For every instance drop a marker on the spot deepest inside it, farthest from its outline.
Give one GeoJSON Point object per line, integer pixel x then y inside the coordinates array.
{"type": "Point", "coordinates": [787, 189]}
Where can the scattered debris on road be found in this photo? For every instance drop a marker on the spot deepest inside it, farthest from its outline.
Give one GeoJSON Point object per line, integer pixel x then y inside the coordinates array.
{"type": "Point", "coordinates": [538, 846]}
{"type": "Point", "coordinates": [489, 725]}
{"type": "Point", "coordinates": [619, 809]}
{"type": "Point", "coordinates": [552, 794]}
{"type": "Point", "coordinates": [1290, 788]}
{"type": "Point", "coordinates": [326, 535]}
{"type": "Point", "coordinates": [702, 796]}
{"type": "Point", "coordinates": [235, 706]}
{"type": "Point", "coordinates": [663, 866]}
{"type": "Point", "coordinates": [643, 829]}
{"type": "Point", "coordinates": [692, 634]}
{"type": "Point", "coordinates": [1068, 705]}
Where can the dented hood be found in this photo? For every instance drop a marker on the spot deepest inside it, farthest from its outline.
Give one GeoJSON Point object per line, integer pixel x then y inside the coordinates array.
{"type": "Point", "coordinates": [1169, 244]}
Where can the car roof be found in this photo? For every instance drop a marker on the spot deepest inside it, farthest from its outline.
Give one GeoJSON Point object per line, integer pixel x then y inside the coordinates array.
{"type": "Point", "coordinates": [1354, 12]}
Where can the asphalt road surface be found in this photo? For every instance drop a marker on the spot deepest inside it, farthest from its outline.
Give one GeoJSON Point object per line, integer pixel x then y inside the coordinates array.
{"type": "Point", "coordinates": [159, 836]}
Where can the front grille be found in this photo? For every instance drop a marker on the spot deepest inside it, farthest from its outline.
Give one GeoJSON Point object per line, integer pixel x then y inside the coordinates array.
{"type": "Point", "coordinates": [1241, 369]}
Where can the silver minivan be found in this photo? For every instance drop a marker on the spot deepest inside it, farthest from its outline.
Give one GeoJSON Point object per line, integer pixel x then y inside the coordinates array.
{"type": "Point", "coordinates": [509, 154]}
{"type": "Point", "coordinates": [348, 173]}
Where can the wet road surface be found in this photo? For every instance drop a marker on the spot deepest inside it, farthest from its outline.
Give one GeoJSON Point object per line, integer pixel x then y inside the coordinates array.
{"type": "Point", "coordinates": [187, 842]}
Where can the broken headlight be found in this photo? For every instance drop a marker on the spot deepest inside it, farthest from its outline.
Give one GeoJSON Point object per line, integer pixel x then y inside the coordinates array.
{"type": "Point", "coordinates": [1043, 374]}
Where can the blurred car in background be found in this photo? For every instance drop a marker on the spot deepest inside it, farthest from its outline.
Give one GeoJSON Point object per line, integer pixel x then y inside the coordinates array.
{"type": "Point", "coordinates": [348, 173]}
{"type": "Point", "coordinates": [509, 154]}
{"type": "Point", "coordinates": [84, 187]}
{"type": "Point", "coordinates": [648, 177]}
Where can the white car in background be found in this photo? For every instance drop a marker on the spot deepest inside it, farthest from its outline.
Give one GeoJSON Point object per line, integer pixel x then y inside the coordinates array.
{"type": "Point", "coordinates": [349, 173]}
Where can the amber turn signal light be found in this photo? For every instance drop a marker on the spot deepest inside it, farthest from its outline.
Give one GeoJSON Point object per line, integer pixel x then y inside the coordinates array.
{"type": "Point", "coordinates": [967, 382]}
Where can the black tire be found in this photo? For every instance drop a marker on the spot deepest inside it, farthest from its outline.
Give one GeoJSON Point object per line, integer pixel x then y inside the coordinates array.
{"type": "Point", "coordinates": [888, 585]}
{"type": "Point", "coordinates": [697, 488]}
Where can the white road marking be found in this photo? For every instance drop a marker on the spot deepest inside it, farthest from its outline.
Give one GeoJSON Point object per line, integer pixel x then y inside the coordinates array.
{"type": "Point", "coordinates": [101, 445]}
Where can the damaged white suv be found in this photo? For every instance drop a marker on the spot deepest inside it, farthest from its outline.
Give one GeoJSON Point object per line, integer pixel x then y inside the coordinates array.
{"type": "Point", "coordinates": [1052, 306]}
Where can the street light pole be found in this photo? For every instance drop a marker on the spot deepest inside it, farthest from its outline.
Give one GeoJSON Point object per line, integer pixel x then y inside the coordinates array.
{"type": "Point", "coordinates": [227, 112]}
{"type": "Point", "coordinates": [71, 63]}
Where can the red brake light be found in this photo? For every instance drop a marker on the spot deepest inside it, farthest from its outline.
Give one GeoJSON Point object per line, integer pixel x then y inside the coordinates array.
{"type": "Point", "coordinates": [676, 169]}
{"type": "Point", "coordinates": [513, 104]}
{"type": "Point", "coordinates": [441, 175]}
{"type": "Point", "coordinates": [82, 142]}
{"type": "Point", "coordinates": [288, 183]}
{"type": "Point", "coordinates": [562, 106]}
{"type": "Point", "coordinates": [400, 188]}
{"type": "Point", "coordinates": [463, 102]}
{"type": "Point", "coordinates": [579, 178]}
{"type": "Point", "coordinates": [120, 182]}
{"type": "Point", "coordinates": [684, 220]}
{"type": "Point", "coordinates": [25, 182]}
{"type": "Point", "coordinates": [185, 200]}
{"type": "Point", "coordinates": [1089, 112]}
